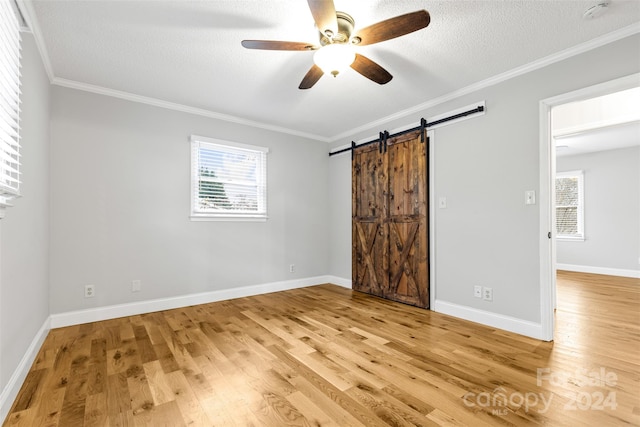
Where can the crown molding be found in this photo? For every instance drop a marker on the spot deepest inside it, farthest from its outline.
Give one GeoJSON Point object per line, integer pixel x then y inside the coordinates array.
{"type": "Point", "coordinates": [26, 7]}
{"type": "Point", "coordinates": [181, 107]}
{"type": "Point", "coordinates": [30, 17]}
{"type": "Point", "coordinates": [499, 78]}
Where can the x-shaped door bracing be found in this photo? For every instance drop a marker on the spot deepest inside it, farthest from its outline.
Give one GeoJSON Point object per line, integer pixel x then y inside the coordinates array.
{"type": "Point", "coordinates": [367, 243]}
{"type": "Point", "coordinates": [404, 248]}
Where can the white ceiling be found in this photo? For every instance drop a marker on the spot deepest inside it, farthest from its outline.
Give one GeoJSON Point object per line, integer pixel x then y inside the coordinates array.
{"type": "Point", "coordinates": [600, 139]}
{"type": "Point", "coordinates": [189, 53]}
{"type": "Point", "coordinates": [606, 122]}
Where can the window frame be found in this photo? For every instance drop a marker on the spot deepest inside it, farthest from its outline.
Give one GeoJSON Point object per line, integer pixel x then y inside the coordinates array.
{"type": "Point", "coordinates": [580, 235]}
{"type": "Point", "coordinates": [10, 100]}
{"type": "Point", "coordinates": [197, 142]}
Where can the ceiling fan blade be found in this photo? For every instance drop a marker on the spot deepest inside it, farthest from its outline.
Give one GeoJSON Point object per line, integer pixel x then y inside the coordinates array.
{"type": "Point", "coordinates": [393, 27]}
{"type": "Point", "coordinates": [277, 45]}
{"type": "Point", "coordinates": [311, 78]}
{"type": "Point", "coordinates": [371, 70]}
{"type": "Point", "coordinates": [324, 14]}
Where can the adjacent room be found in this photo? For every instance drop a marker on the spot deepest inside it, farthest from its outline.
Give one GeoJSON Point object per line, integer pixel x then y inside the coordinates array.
{"type": "Point", "coordinates": [321, 212]}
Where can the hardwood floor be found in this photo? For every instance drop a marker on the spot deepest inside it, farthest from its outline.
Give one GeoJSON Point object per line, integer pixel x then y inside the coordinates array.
{"type": "Point", "coordinates": [327, 356]}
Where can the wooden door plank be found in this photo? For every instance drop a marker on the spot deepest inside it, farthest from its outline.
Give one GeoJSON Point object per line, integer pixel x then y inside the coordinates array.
{"type": "Point", "coordinates": [408, 221]}
{"type": "Point", "coordinates": [389, 189]}
{"type": "Point", "coordinates": [369, 231]}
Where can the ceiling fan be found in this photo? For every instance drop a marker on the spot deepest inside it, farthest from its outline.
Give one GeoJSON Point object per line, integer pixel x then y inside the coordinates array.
{"type": "Point", "coordinates": [337, 40]}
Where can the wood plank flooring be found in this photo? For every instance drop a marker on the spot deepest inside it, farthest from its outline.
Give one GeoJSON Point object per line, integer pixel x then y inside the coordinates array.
{"type": "Point", "coordinates": [327, 356]}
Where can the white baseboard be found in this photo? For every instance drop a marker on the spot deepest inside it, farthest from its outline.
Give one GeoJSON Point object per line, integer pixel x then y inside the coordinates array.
{"type": "Point", "coordinates": [10, 391]}
{"type": "Point", "coordinates": [599, 270]}
{"type": "Point", "coordinates": [340, 281]}
{"type": "Point", "coordinates": [134, 308]}
{"type": "Point", "coordinates": [508, 323]}
{"type": "Point", "coordinates": [511, 324]}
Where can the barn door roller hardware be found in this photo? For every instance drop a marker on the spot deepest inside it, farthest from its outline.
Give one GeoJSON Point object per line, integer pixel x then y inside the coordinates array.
{"type": "Point", "coordinates": [383, 141]}
{"type": "Point", "coordinates": [384, 136]}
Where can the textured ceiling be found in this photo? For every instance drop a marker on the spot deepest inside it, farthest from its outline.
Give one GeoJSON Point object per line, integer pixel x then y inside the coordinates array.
{"type": "Point", "coordinates": [189, 53]}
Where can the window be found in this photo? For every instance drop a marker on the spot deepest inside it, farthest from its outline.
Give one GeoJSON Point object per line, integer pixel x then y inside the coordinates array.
{"type": "Point", "coordinates": [9, 105]}
{"type": "Point", "coordinates": [228, 180]}
{"type": "Point", "coordinates": [570, 205]}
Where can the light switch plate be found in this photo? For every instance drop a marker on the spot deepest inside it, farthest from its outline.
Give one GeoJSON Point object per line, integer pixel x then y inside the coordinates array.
{"type": "Point", "coordinates": [530, 197]}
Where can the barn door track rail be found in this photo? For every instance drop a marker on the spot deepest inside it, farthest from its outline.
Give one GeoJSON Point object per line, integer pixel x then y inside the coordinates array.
{"type": "Point", "coordinates": [384, 136]}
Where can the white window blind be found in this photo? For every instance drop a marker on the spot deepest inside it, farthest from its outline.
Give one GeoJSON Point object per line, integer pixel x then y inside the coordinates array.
{"type": "Point", "coordinates": [570, 205]}
{"type": "Point", "coordinates": [9, 104]}
{"type": "Point", "coordinates": [228, 180]}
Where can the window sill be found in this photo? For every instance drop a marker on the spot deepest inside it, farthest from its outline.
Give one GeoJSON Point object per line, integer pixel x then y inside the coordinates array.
{"type": "Point", "coordinates": [570, 239]}
{"type": "Point", "coordinates": [228, 218]}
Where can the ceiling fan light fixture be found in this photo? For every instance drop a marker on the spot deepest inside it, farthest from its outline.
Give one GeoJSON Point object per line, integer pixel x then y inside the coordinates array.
{"type": "Point", "coordinates": [338, 42]}
{"type": "Point", "coordinates": [334, 58]}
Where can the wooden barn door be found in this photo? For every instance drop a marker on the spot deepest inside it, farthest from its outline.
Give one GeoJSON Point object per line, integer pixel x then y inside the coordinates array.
{"type": "Point", "coordinates": [407, 219]}
{"type": "Point", "coordinates": [390, 227]}
{"type": "Point", "coordinates": [370, 258]}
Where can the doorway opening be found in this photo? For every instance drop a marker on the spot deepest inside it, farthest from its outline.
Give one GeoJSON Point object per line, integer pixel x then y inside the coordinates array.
{"type": "Point", "coordinates": [578, 122]}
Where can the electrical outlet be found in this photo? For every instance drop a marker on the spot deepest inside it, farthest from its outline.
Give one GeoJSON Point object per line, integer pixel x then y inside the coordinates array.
{"type": "Point", "coordinates": [292, 268]}
{"type": "Point", "coordinates": [487, 294]}
{"type": "Point", "coordinates": [477, 291]}
{"type": "Point", "coordinates": [136, 285]}
{"type": "Point", "coordinates": [89, 291]}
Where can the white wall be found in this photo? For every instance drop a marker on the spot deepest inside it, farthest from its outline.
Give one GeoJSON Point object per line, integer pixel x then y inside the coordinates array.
{"type": "Point", "coordinates": [340, 216]}
{"type": "Point", "coordinates": [487, 236]}
{"type": "Point", "coordinates": [24, 232]}
{"type": "Point", "coordinates": [612, 210]}
{"type": "Point", "coordinates": [120, 206]}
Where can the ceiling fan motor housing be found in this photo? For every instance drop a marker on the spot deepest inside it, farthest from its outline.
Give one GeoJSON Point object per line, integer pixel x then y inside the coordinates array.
{"type": "Point", "coordinates": [345, 29]}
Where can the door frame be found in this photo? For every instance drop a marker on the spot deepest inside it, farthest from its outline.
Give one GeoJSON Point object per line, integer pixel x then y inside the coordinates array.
{"type": "Point", "coordinates": [431, 188]}
{"type": "Point", "coordinates": [547, 156]}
